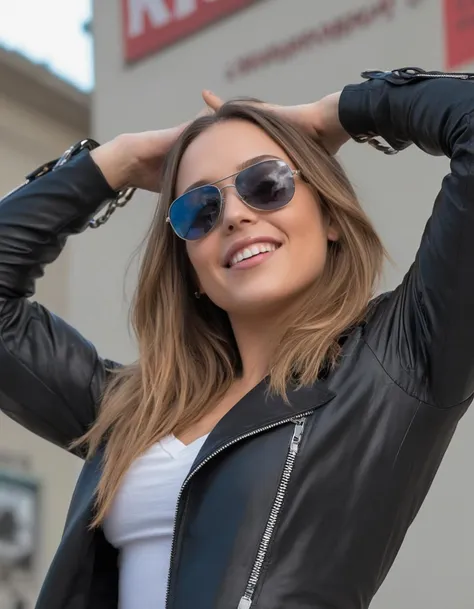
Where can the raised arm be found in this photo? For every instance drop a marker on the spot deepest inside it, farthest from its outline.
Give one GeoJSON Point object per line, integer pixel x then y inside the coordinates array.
{"type": "Point", "coordinates": [50, 376]}
{"type": "Point", "coordinates": [423, 332]}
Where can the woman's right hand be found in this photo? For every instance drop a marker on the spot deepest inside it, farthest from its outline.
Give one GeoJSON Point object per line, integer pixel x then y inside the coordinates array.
{"type": "Point", "coordinates": [135, 159]}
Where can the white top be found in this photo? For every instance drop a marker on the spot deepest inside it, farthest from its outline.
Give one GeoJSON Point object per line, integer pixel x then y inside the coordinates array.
{"type": "Point", "coordinates": [141, 520]}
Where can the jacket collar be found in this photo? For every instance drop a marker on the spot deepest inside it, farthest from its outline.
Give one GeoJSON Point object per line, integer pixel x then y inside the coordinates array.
{"type": "Point", "coordinates": [253, 414]}
{"type": "Point", "coordinates": [258, 411]}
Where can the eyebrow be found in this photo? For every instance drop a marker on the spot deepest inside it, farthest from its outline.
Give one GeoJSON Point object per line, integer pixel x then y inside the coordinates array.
{"type": "Point", "coordinates": [240, 167]}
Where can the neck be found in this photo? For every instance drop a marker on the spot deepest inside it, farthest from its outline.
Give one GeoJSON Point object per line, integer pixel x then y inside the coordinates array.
{"type": "Point", "coordinates": [256, 340]}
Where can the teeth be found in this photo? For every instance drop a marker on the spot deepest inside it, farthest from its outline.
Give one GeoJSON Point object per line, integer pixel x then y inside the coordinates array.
{"type": "Point", "coordinates": [252, 250]}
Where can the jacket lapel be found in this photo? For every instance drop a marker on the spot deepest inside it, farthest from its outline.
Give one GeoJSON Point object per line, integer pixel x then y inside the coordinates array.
{"type": "Point", "coordinates": [258, 411]}
{"type": "Point", "coordinates": [254, 413]}
{"type": "Point", "coordinates": [74, 555]}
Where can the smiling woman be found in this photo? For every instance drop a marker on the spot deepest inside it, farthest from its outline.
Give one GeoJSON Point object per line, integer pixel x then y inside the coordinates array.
{"type": "Point", "coordinates": [302, 230]}
{"type": "Point", "coordinates": [280, 429]}
{"type": "Point", "coordinates": [314, 283]}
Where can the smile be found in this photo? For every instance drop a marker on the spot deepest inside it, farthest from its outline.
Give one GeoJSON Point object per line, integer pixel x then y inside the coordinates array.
{"type": "Point", "coordinates": [252, 255]}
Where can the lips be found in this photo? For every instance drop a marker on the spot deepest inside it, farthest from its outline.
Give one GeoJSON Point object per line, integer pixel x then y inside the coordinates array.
{"type": "Point", "coordinates": [246, 248]}
{"type": "Point", "coordinates": [251, 251]}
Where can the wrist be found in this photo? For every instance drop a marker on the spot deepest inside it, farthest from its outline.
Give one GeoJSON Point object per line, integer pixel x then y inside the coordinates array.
{"type": "Point", "coordinates": [326, 122]}
{"type": "Point", "coordinates": [114, 163]}
{"type": "Point", "coordinates": [332, 121]}
{"type": "Point", "coordinates": [330, 106]}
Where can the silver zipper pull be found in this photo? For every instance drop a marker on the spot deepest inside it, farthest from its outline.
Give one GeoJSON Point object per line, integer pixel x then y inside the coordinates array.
{"type": "Point", "coordinates": [245, 603]}
{"type": "Point", "coordinates": [297, 433]}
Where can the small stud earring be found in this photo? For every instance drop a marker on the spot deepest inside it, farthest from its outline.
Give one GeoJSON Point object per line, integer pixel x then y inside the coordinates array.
{"type": "Point", "coordinates": [197, 294]}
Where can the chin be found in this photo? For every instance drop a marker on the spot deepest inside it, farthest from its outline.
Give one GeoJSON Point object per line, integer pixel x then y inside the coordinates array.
{"type": "Point", "coordinates": [261, 302]}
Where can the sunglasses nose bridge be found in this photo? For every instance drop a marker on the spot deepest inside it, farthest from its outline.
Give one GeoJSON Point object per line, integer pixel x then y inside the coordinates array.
{"type": "Point", "coordinates": [232, 185]}
{"type": "Point", "coordinates": [237, 193]}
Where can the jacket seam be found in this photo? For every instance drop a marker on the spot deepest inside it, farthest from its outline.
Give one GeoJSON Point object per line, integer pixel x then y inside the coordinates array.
{"type": "Point", "coordinates": [445, 332]}
{"type": "Point", "coordinates": [412, 395]}
{"type": "Point", "coordinates": [5, 299]}
{"type": "Point", "coordinates": [25, 367]}
{"type": "Point", "coordinates": [28, 369]}
{"type": "Point", "coordinates": [97, 402]}
{"type": "Point", "coordinates": [408, 429]}
{"type": "Point", "coordinates": [468, 117]}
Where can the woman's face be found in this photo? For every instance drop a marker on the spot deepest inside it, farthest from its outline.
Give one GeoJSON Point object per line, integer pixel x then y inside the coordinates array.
{"type": "Point", "coordinates": [298, 231]}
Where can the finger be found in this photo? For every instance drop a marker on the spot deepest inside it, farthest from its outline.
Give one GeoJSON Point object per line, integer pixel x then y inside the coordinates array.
{"type": "Point", "coordinates": [165, 138]}
{"type": "Point", "coordinates": [170, 135]}
{"type": "Point", "coordinates": [212, 100]}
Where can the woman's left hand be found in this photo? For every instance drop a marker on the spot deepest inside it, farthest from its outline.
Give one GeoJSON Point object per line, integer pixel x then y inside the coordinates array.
{"type": "Point", "coordinates": [320, 119]}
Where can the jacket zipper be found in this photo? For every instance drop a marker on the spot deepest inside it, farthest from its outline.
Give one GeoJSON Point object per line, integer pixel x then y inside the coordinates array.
{"type": "Point", "coordinates": [442, 75]}
{"type": "Point", "coordinates": [246, 600]}
{"type": "Point", "coordinates": [407, 74]}
{"type": "Point", "coordinates": [299, 422]}
{"type": "Point", "coordinates": [454, 75]}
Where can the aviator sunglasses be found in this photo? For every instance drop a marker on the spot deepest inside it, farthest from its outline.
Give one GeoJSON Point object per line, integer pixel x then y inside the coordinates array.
{"type": "Point", "coordinates": [265, 186]}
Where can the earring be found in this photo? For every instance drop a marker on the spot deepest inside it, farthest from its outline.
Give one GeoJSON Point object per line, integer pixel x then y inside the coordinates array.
{"type": "Point", "coordinates": [197, 294]}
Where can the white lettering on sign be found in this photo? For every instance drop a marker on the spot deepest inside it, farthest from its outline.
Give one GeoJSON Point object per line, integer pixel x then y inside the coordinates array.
{"type": "Point", "coordinates": [151, 25]}
{"type": "Point", "coordinates": [156, 10]}
{"type": "Point", "coordinates": [158, 13]}
{"type": "Point", "coordinates": [184, 8]}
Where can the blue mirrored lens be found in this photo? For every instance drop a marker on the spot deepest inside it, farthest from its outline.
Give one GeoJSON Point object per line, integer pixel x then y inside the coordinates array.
{"type": "Point", "coordinates": [195, 213]}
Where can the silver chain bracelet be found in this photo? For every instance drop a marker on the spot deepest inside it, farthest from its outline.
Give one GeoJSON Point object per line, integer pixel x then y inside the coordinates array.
{"type": "Point", "coordinates": [123, 196]}
{"type": "Point", "coordinates": [122, 199]}
{"type": "Point", "coordinates": [375, 143]}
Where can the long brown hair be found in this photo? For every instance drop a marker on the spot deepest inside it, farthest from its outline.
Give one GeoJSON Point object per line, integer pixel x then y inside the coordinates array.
{"type": "Point", "coordinates": [188, 357]}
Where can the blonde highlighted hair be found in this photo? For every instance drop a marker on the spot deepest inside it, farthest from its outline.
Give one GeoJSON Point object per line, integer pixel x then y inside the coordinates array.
{"type": "Point", "coordinates": [188, 357]}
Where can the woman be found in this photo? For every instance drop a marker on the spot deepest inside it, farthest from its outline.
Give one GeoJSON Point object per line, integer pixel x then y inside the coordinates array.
{"type": "Point", "coordinates": [279, 432]}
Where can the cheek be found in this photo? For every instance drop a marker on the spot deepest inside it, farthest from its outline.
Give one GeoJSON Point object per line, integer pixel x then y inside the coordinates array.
{"type": "Point", "coordinates": [202, 256]}
{"type": "Point", "coordinates": [307, 234]}
{"type": "Point", "coordinates": [304, 221]}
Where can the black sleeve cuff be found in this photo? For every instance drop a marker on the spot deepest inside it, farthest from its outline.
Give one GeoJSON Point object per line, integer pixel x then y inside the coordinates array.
{"type": "Point", "coordinates": [427, 113]}
{"type": "Point", "coordinates": [88, 177]}
{"type": "Point", "coordinates": [355, 110]}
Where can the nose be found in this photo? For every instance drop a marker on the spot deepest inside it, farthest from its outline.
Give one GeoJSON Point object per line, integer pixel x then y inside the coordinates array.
{"type": "Point", "coordinates": [235, 213]}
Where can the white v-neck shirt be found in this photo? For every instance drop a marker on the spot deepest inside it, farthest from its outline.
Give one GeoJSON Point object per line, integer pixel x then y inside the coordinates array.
{"type": "Point", "coordinates": [141, 520]}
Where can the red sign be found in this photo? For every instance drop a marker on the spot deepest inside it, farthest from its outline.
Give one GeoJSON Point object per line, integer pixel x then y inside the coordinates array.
{"type": "Point", "coordinates": [459, 32]}
{"type": "Point", "coordinates": [150, 25]}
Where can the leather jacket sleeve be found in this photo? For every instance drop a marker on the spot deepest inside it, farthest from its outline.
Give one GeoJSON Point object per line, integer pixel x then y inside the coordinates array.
{"type": "Point", "coordinates": [423, 332]}
{"type": "Point", "coordinates": [50, 376]}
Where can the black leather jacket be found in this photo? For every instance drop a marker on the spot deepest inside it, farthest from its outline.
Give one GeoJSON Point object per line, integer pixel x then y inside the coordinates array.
{"type": "Point", "coordinates": [300, 506]}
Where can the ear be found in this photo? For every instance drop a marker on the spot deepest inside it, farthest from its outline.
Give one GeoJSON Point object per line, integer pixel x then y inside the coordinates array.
{"type": "Point", "coordinates": [192, 277]}
{"type": "Point", "coordinates": [197, 282]}
{"type": "Point", "coordinates": [332, 232]}
{"type": "Point", "coordinates": [198, 291]}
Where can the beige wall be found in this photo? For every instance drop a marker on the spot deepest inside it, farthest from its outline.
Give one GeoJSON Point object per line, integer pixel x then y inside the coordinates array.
{"type": "Point", "coordinates": [434, 568]}
{"type": "Point", "coordinates": [29, 135]}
